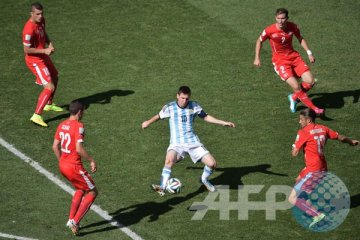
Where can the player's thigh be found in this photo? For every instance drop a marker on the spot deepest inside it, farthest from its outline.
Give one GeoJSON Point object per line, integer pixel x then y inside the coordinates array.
{"type": "Point", "coordinates": [173, 155]}
{"type": "Point", "coordinates": [41, 72]}
{"type": "Point", "coordinates": [51, 67]}
{"type": "Point", "coordinates": [197, 152]}
{"type": "Point", "coordinates": [78, 176]}
{"type": "Point", "coordinates": [300, 67]}
{"type": "Point", "coordinates": [293, 83]}
{"type": "Point", "coordinates": [283, 69]}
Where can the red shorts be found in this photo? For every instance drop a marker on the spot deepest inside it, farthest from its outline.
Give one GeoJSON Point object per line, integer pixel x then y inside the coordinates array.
{"type": "Point", "coordinates": [77, 175]}
{"type": "Point", "coordinates": [309, 182]}
{"type": "Point", "coordinates": [43, 69]}
{"type": "Point", "coordinates": [290, 66]}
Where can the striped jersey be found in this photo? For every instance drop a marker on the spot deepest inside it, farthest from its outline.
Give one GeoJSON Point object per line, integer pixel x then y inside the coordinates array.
{"type": "Point", "coordinates": [181, 121]}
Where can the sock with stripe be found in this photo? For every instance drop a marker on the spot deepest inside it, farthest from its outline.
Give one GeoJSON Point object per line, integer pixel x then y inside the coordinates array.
{"type": "Point", "coordinates": [42, 100]}
{"type": "Point", "coordinates": [165, 175]}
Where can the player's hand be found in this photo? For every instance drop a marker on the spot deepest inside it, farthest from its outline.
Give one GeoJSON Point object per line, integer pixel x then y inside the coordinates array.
{"type": "Point", "coordinates": [311, 58]}
{"type": "Point", "coordinates": [93, 166]}
{"type": "Point", "coordinates": [229, 124]}
{"type": "Point", "coordinates": [145, 124]}
{"type": "Point", "coordinates": [51, 46]}
{"type": "Point", "coordinates": [257, 62]}
{"type": "Point", "coordinates": [354, 142]}
{"type": "Point", "coordinates": [48, 51]}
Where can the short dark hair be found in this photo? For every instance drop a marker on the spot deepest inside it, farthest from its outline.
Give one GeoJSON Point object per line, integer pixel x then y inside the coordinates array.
{"type": "Point", "coordinates": [308, 113]}
{"type": "Point", "coordinates": [36, 5]}
{"type": "Point", "coordinates": [282, 11]}
{"type": "Point", "coordinates": [184, 90]}
{"type": "Point", "coordinates": [76, 106]}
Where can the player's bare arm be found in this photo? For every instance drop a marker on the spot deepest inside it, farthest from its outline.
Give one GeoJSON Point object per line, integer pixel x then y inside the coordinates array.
{"type": "Point", "coordinates": [347, 140]}
{"type": "Point", "coordinates": [304, 44]}
{"type": "Point", "coordinates": [29, 50]}
{"type": "Point", "coordinates": [258, 47]}
{"type": "Point", "coordinates": [150, 121]}
{"type": "Point", "coordinates": [294, 151]}
{"type": "Point", "coordinates": [56, 149]}
{"type": "Point", "coordinates": [211, 119]}
{"type": "Point", "coordinates": [82, 152]}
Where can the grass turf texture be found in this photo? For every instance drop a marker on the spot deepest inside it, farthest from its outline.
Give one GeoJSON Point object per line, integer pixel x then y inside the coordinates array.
{"type": "Point", "coordinates": [126, 60]}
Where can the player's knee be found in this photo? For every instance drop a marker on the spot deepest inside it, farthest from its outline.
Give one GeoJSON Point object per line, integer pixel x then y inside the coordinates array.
{"type": "Point", "coordinates": [49, 86]}
{"type": "Point", "coordinates": [94, 192]}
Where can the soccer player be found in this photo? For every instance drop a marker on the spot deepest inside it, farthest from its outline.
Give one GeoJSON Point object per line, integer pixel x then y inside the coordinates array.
{"type": "Point", "coordinates": [37, 49]}
{"type": "Point", "coordinates": [183, 140]}
{"type": "Point", "coordinates": [68, 149]}
{"type": "Point", "coordinates": [287, 62]}
{"type": "Point", "coordinates": [312, 138]}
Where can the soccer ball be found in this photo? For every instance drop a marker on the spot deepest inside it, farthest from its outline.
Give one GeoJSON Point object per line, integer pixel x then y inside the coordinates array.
{"type": "Point", "coordinates": [173, 185]}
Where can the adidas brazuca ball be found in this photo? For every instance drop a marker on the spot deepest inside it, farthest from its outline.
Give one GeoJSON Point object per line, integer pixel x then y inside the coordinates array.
{"type": "Point", "coordinates": [173, 185]}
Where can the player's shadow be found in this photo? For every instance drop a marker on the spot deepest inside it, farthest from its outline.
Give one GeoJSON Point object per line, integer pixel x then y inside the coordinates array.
{"type": "Point", "coordinates": [355, 201]}
{"type": "Point", "coordinates": [232, 176]}
{"type": "Point", "coordinates": [98, 98]}
{"type": "Point", "coordinates": [135, 213]}
{"type": "Point", "coordinates": [335, 99]}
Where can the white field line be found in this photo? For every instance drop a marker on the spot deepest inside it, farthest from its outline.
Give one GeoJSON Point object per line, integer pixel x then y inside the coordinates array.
{"type": "Point", "coordinates": [67, 188]}
{"type": "Point", "coordinates": [4, 235]}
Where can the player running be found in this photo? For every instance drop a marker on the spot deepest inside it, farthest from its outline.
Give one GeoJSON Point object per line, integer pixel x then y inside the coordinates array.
{"type": "Point", "coordinates": [287, 62]}
{"type": "Point", "coordinates": [183, 140]}
{"type": "Point", "coordinates": [312, 138]}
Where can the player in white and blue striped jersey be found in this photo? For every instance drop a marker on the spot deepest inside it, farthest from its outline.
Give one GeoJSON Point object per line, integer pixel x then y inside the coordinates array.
{"type": "Point", "coordinates": [183, 140]}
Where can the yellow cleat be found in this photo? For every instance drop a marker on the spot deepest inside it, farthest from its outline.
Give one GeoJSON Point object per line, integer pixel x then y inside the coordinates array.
{"type": "Point", "coordinates": [53, 107]}
{"type": "Point", "coordinates": [317, 219]}
{"type": "Point", "coordinates": [38, 120]}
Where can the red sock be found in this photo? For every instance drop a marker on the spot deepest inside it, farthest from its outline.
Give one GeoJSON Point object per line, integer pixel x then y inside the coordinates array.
{"type": "Point", "coordinates": [75, 203]}
{"type": "Point", "coordinates": [84, 207]}
{"type": "Point", "coordinates": [306, 86]}
{"type": "Point", "coordinates": [304, 206]}
{"type": "Point", "coordinates": [305, 100]}
{"type": "Point", "coordinates": [42, 100]}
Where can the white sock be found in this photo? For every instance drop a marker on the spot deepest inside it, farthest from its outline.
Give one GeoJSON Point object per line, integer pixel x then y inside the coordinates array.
{"type": "Point", "coordinates": [207, 172]}
{"type": "Point", "coordinates": [166, 172]}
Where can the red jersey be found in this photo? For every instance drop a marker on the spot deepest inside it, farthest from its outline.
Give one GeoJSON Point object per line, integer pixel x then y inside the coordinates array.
{"type": "Point", "coordinates": [313, 138]}
{"type": "Point", "coordinates": [281, 40]}
{"type": "Point", "coordinates": [70, 132]}
{"type": "Point", "coordinates": [34, 36]}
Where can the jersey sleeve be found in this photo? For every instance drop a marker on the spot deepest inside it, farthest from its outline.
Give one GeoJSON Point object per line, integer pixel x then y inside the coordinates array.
{"type": "Point", "coordinates": [27, 35]}
{"type": "Point", "coordinates": [332, 134]}
{"type": "Point", "coordinates": [198, 110]}
{"type": "Point", "coordinates": [300, 140]}
{"type": "Point", "coordinates": [264, 35]}
{"type": "Point", "coordinates": [296, 31]}
{"type": "Point", "coordinates": [79, 133]}
{"type": "Point", "coordinates": [165, 112]}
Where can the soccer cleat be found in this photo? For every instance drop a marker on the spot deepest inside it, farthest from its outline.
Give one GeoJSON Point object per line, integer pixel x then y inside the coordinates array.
{"type": "Point", "coordinates": [53, 107]}
{"type": "Point", "coordinates": [292, 103]}
{"type": "Point", "coordinates": [158, 189]}
{"type": "Point", "coordinates": [319, 111]}
{"type": "Point", "coordinates": [317, 219]}
{"type": "Point", "coordinates": [208, 185]}
{"type": "Point", "coordinates": [73, 227]}
{"type": "Point", "coordinates": [38, 120]}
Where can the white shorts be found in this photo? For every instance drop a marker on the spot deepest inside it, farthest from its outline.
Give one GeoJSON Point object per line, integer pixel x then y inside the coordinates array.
{"type": "Point", "coordinates": [196, 152]}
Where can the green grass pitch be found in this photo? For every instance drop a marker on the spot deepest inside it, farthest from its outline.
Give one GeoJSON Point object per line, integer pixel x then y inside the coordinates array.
{"type": "Point", "coordinates": [126, 59]}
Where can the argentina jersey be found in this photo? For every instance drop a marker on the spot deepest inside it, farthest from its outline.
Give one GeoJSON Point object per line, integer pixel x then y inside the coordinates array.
{"type": "Point", "coordinates": [181, 121]}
